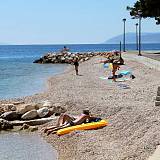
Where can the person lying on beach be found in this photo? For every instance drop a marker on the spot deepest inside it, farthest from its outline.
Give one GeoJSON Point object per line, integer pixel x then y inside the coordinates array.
{"type": "Point", "coordinates": [66, 120]}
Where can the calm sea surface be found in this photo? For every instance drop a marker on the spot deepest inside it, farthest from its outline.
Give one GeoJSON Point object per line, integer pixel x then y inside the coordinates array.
{"type": "Point", "coordinates": [20, 77]}
{"type": "Point", "coordinates": [15, 146]}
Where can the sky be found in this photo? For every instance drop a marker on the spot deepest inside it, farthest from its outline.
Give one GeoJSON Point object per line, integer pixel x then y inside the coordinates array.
{"type": "Point", "coordinates": [66, 21]}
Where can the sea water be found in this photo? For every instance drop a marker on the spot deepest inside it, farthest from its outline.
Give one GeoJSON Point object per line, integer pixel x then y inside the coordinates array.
{"type": "Point", "coordinates": [16, 146]}
{"type": "Point", "coordinates": [19, 76]}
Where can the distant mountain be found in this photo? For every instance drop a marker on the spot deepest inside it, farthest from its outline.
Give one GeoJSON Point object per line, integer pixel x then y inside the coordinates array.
{"type": "Point", "coordinates": [131, 38]}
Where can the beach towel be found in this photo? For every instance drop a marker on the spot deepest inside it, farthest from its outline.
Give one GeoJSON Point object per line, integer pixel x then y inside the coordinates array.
{"type": "Point", "coordinates": [123, 86]}
{"type": "Point", "coordinates": [125, 72]}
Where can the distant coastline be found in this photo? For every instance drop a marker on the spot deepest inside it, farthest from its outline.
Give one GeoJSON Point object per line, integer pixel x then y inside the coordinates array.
{"type": "Point", "coordinates": [146, 38]}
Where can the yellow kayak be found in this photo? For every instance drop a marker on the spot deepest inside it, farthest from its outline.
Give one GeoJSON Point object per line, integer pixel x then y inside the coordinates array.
{"type": "Point", "coordinates": [86, 126]}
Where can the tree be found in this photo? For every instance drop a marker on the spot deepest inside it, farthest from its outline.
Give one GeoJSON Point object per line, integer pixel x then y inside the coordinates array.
{"type": "Point", "coordinates": [148, 8]}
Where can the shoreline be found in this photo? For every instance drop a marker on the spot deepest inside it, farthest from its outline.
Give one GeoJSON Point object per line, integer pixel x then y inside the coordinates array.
{"type": "Point", "coordinates": [132, 116]}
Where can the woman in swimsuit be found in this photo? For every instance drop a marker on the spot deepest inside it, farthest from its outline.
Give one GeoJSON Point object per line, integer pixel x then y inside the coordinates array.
{"type": "Point", "coordinates": [65, 121]}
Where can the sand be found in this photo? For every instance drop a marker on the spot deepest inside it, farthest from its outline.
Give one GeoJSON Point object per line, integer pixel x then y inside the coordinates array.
{"type": "Point", "coordinates": [134, 121]}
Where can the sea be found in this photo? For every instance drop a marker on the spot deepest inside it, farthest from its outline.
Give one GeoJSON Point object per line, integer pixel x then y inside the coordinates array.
{"type": "Point", "coordinates": [25, 146]}
{"type": "Point", "coordinates": [20, 77]}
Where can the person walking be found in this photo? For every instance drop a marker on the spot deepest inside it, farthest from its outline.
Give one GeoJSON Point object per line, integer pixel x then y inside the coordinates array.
{"type": "Point", "coordinates": [76, 64]}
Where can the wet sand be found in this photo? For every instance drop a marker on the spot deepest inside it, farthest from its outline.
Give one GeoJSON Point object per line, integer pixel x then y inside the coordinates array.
{"type": "Point", "coordinates": [134, 121]}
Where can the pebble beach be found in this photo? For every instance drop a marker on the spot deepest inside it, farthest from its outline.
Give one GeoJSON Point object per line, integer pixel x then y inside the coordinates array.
{"type": "Point", "coordinates": [134, 120]}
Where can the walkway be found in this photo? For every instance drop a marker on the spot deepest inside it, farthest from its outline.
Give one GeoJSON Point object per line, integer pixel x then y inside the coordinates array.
{"type": "Point", "coordinates": [147, 61]}
{"type": "Point", "coordinates": [152, 64]}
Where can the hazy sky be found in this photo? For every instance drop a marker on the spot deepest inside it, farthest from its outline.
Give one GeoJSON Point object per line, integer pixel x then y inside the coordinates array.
{"type": "Point", "coordinates": [65, 21]}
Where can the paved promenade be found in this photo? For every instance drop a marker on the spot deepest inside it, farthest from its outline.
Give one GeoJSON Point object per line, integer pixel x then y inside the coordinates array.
{"type": "Point", "coordinates": [147, 61]}
{"type": "Point", "coordinates": [155, 65]}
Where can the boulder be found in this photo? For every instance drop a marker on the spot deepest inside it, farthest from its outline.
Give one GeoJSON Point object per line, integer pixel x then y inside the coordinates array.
{"type": "Point", "coordinates": [25, 126]}
{"type": "Point", "coordinates": [42, 112]}
{"type": "Point", "coordinates": [1, 110]}
{"type": "Point", "coordinates": [58, 109]}
{"type": "Point", "coordinates": [51, 111]}
{"type": "Point", "coordinates": [38, 105]}
{"type": "Point", "coordinates": [87, 58]}
{"type": "Point", "coordinates": [11, 115]}
{"type": "Point", "coordinates": [30, 115]}
{"type": "Point", "coordinates": [9, 107]}
{"type": "Point", "coordinates": [158, 98]}
{"type": "Point", "coordinates": [18, 102]}
{"type": "Point", "coordinates": [4, 125]}
{"type": "Point", "coordinates": [157, 103]}
{"type": "Point", "coordinates": [22, 109]}
{"type": "Point", "coordinates": [29, 128]}
{"type": "Point", "coordinates": [32, 128]}
{"type": "Point", "coordinates": [47, 104]}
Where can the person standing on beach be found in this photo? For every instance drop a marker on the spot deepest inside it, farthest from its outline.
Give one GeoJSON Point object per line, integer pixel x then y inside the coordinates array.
{"type": "Point", "coordinates": [114, 59]}
{"type": "Point", "coordinates": [76, 64]}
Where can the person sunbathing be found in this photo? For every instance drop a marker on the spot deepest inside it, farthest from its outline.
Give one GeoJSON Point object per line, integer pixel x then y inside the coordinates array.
{"type": "Point", "coordinates": [66, 120]}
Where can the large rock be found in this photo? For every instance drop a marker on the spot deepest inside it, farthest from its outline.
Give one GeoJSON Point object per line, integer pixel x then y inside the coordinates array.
{"type": "Point", "coordinates": [57, 108]}
{"type": "Point", "coordinates": [32, 128]}
{"type": "Point", "coordinates": [87, 58]}
{"type": "Point", "coordinates": [30, 115]}
{"type": "Point", "coordinates": [22, 109]}
{"type": "Point", "coordinates": [24, 126]}
{"type": "Point", "coordinates": [42, 112]}
{"type": "Point", "coordinates": [33, 122]}
{"type": "Point", "coordinates": [9, 107]}
{"type": "Point", "coordinates": [18, 102]}
{"type": "Point", "coordinates": [157, 103]}
{"type": "Point", "coordinates": [1, 110]}
{"type": "Point", "coordinates": [11, 115]}
{"type": "Point", "coordinates": [38, 105]}
{"type": "Point", "coordinates": [4, 125]}
{"type": "Point", "coordinates": [158, 98]}
{"type": "Point", "coordinates": [47, 104]}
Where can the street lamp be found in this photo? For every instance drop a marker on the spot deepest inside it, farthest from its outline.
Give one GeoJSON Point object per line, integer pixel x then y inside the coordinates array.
{"type": "Point", "coordinates": [140, 18]}
{"type": "Point", "coordinates": [136, 35]}
{"type": "Point", "coordinates": [124, 38]}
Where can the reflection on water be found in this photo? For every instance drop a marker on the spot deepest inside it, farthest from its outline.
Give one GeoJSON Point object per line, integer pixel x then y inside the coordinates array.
{"type": "Point", "coordinates": [15, 146]}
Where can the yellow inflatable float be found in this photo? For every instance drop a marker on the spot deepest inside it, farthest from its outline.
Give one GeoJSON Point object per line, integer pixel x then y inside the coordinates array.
{"type": "Point", "coordinates": [86, 126]}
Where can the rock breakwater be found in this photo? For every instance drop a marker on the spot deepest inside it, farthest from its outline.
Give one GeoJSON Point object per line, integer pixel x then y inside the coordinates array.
{"type": "Point", "coordinates": [65, 57]}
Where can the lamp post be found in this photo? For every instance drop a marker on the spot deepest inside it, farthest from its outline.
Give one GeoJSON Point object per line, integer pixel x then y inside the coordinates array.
{"type": "Point", "coordinates": [120, 48]}
{"type": "Point", "coordinates": [136, 36]}
{"type": "Point", "coordinates": [124, 36]}
{"type": "Point", "coordinates": [140, 18]}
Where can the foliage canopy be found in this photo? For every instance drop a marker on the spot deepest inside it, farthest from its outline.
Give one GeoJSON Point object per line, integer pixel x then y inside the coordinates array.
{"type": "Point", "coordinates": [146, 8]}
